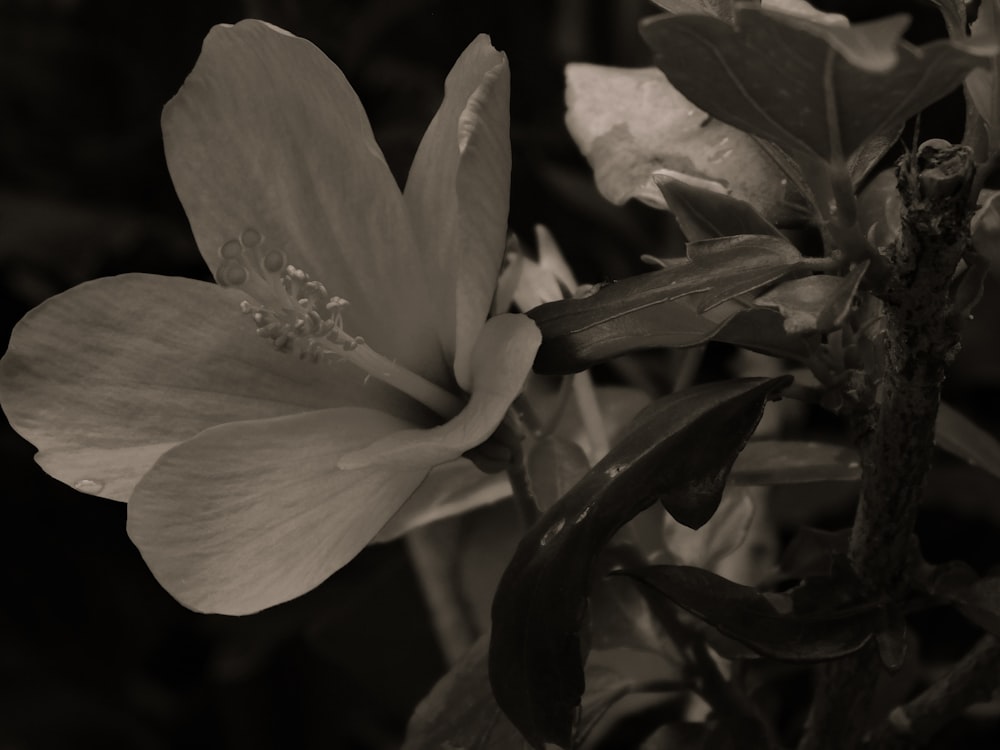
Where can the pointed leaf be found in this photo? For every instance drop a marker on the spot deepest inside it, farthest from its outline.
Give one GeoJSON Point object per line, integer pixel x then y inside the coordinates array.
{"type": "Point", "coordinates": [961, 437]}
{"type": "Point", "coordinates": [678, 451]}
{"type": "Point", "coordinates": [770, 462]}
{"type": "Point", "coordinates": [762, 331]}
{"type": "Point", "coordinates": [815, 303]}
{"type": "Point", "coordinates": [746, 615]}
{"type": "Point", "coordinates": [617, 318]}
{"type": "Point", "coordinates": [846, 85]}
{"type": "Point", "coordinates": [703, 214]}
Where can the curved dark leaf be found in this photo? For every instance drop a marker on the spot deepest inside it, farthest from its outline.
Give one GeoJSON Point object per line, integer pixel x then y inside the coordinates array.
{"type": "Point", "coordinates": [678, 451]}
{"type": "Point", "coordinates": [747, 616]}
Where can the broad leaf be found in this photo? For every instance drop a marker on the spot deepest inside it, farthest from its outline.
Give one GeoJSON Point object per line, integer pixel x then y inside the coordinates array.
{"type": "Point", "coordinates": [678, 451]}
{"type": "Point", "coordinates": [961, 437]}
{"type": "Point", "coordinates": [630, 123]}
{"type": "Point", "coordinates": [847, 84]}
{"type": "Point", "coordinates": [746, 615]}
{"type": "Point", "coordinates": [703, 214]}
{"type": "Point", "coordinates": [795, 461]}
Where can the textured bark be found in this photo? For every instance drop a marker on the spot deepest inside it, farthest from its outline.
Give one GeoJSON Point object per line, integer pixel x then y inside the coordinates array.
{"type": "Point", "coordinates": [896, 437]}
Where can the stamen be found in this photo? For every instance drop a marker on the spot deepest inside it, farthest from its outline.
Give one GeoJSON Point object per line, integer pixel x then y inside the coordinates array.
{"type": "Point", "coordinates": [300, 316]}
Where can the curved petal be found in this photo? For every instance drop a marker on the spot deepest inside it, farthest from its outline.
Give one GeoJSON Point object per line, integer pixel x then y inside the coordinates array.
{"type": "Point", "coordinates": [501, 361]}
{"type": "Point", "coordinates": [457, 192]}
{"type": "Point", "coordinates": [267, 135]}
{"type": "Point", "coordinates": [449, 489]}
{"type": "Point", "coordinates": [246, 516]}
{"type": "Point", "coordinates": [104, 378]}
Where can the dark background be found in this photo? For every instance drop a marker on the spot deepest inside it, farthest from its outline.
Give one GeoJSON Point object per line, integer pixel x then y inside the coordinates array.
{"type": "Point", "coordinates": [93, 654]}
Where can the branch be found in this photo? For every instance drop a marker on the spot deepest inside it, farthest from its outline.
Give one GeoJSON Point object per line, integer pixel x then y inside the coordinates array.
{"type": "Point", "coordinates": [896, 437]}
{"type": "Point", "coordinates": [972, 680]}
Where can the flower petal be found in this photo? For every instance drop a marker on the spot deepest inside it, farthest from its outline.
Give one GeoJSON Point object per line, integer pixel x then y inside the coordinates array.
{"type": "Point", "coordinates": [245, 516]}
{"type": "Point", "coordinates": [267, 134]}
{"type": "Point", "coordinates": [450, 489]}
{"type": "Point", "coordinates": [457, 192]}
{"type": "Point", "coordinates": [107, 376]}
{"type": "Point", "coordinates": [501, 361]}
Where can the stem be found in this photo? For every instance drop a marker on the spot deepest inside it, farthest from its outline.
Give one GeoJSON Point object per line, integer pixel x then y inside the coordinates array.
{"type": "Point", "coordinates": [972, 680]}
{"type": "Point", "coordinates": [432, 551]}
{"type": "Point", "coordinates": [590, 415]}
{"type": "Point", "coordinates": [896, 437]}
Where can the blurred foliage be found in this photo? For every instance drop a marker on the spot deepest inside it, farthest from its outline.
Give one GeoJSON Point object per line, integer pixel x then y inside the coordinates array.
{"type": "Point", "coordinates": [92, 652]}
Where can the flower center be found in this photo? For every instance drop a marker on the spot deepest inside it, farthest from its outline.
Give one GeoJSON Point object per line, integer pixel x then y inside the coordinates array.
{"type": "Point", "coordinates": [300, 316]}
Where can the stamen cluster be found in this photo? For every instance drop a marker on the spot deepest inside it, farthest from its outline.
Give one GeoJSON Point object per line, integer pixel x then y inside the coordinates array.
{"type": "Point", "coordinates": [295, 312]}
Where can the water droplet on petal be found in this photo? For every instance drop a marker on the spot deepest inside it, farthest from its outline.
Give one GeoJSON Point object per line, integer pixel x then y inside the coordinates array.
{"type": "Point", "coordinates": [90, 486]}
{"type": "Point", "coordinates": [553, 530]}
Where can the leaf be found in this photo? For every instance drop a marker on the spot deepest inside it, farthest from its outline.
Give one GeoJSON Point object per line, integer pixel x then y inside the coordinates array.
{"type": "Point", "coordinates": [953, 12]}
{"type": "Point", "coordinates": [961, 437]}
{"type": "Point", "coordinates": [982, 86]}
{"type": "Point", "coordinates": [847, 84]}
{"type": "Point", "coordinates": [980, 603]}
{"type": "Point", "coordinates": [630, 123]}
{"type": "Point", "coordinates": [617, 318]}
{"type": "Point", "coordinates": [879, 207]}
{"type": "Point", "coordinates": [722, 268]}
{"type": "Point", "coordinates": [703, 214]}
{"type": "Point", "coordinates": [815, 303]}
{"type": "Point", "coordinates": [718, 8]}
{"type": "Point", "coordinates": [460, 711]}
{"type": "Point", "coordinates": [677, 451]}
{"type": "Point", "coordinates": [721, 536]}
{"type": "Point", "coordinates": [986, 228]}
{"type": "Point", "coordinates": [768, 462]}
{"type": "Point", "coordinates": [763, 331]}
{"type": "Point", "coordinates": [554, 465]}
{"type": "Point", "coordinates": [812, 551]}
{"type": "Point", "coordinates": [746, 615]}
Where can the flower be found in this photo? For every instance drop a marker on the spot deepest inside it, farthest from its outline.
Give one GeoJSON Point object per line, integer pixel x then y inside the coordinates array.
{"type": "Point", "coordinates": [254, 471]}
